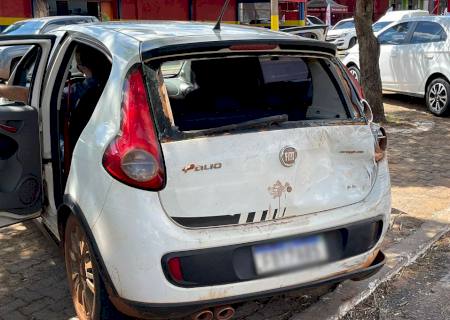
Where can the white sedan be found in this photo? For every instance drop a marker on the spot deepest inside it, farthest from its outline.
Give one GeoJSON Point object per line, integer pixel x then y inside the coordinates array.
{"type": "Point", "coordinates": [414, 60]}
{"type": "Point", "coordinates": [343, 34]}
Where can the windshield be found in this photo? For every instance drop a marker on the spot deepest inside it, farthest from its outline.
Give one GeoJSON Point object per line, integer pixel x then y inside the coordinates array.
{"type": "Point", "coordinates": [380, 25]}
{"type": "Point", "coordinates": [24, 27]}
{"type": "Point", "coordinates": [344, 25]}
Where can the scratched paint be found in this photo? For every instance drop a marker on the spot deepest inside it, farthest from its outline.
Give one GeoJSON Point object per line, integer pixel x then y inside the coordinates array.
{"type": "Point", "coordinates": [334, 167]}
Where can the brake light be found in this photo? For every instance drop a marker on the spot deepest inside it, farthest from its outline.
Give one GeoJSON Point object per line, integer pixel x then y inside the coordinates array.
{"type": "Point", "coordinates": [134, 155]}
{"type": "Point", "coordinates": [252, 46]}
{"type": "Point", "coordinates": [175, 272]}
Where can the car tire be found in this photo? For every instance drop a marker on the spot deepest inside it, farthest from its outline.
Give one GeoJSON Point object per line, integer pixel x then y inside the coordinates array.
{"type": "Point", "coordinates": [437, 97]}
{"type": "Point", "coordinates": [352, 43]}
{"type": "Point", "coordinates": [87, 289]}
{"type": "Point", "coordinates": [354, 71]}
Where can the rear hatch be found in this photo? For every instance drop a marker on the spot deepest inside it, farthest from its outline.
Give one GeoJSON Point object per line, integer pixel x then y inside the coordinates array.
{"type": "Point", "coordinates": [256, 136]}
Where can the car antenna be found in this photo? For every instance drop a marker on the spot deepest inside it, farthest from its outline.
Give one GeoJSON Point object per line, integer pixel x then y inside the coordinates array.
{"type": "Point", "coordinates": [222, 12]}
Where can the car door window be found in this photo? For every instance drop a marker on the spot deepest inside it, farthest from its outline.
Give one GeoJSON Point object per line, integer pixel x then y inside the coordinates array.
{"type": "Point", "coordinates": [397, 34]}
{"type": "Point", "coordinates": [428, 31]}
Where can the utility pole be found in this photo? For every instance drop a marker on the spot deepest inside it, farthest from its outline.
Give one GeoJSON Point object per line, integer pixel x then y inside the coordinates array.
{"type": "Point", "coordinates": [274, 19]}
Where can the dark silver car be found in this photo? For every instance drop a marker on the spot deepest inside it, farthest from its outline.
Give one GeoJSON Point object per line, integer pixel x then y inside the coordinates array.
{"type": "Point", "coordinates": [9, 56]}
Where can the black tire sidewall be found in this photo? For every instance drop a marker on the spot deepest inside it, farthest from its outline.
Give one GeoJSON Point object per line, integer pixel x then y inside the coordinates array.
{"type": "Point", "coordinates": [351, 43]}
{"type": "Point", "coordinates": [446, 109]}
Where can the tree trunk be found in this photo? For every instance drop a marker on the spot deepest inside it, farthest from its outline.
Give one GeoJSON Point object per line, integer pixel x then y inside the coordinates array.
{"type": "Point", "coordinates": [369, 53]}
{"type": "Point", "coordinates": [40, 8]}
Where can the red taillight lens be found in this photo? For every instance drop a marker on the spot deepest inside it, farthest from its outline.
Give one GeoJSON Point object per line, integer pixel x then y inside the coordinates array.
{"type": "Point", "coordinates": [134, 156]}
{"type": "Point", "coordinates": [175, 272]}
{"type": "Point", "coordinates": [252, 46]}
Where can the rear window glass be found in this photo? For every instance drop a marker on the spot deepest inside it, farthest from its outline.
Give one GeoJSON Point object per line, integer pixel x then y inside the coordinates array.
{"type": "Point", "coordinates": [215, 92]}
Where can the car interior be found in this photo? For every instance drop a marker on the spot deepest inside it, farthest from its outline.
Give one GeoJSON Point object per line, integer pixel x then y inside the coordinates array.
{"type": "Point", "coordinates": [242, 89]}
{"type": "Point", "coordinates": [79, 96]}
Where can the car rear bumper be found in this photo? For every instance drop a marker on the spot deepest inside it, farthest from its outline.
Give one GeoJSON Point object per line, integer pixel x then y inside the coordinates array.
{"type": "Point", "coordinates": [175, 310]}
{"type": "Point", "coordinates": [133, 236]}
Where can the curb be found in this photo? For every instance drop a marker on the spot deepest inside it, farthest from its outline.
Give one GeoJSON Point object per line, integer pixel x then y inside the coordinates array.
{"type": "Point", "coordinates": [349, 294]}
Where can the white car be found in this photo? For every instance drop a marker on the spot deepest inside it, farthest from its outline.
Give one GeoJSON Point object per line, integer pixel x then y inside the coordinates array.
{"type": "Point", "coordinates": [393, 16]}
{"type": "Point", "coordinates": [343, 34]}
{"type": "Point", "coordinates": [414, 60]}
{"type": "Point", "coordinates": [197, 168]}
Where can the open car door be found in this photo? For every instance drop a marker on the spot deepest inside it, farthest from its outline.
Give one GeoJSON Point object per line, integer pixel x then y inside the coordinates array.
{"type": "Point", "coordinates": [21, 195]}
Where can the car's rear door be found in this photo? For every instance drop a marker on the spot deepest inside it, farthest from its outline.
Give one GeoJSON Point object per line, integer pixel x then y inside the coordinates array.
{"type": "Point", "coordinates": [422, 54]}
{"type": "Point", "coordinates": [21, 194]}
{"type": "Point", "coordinates": [393, 42]}
{"type": "Point", "coordinates": [321, 158]}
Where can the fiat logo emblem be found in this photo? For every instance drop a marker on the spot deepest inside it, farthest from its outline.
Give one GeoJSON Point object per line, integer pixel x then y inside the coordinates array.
{"type": "Point", "coordinates": [288, 156]}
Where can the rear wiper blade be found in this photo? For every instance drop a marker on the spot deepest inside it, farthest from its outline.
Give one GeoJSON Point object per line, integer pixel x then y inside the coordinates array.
{"type": "Point", "coordinates": [260, 122]}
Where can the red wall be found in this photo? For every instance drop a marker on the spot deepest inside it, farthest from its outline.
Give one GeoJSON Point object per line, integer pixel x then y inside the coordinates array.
{"type": "Point", "coordinates": [155, 9]}
{"type": "Point", "coordinates": [210, 9]}
{"type": "Point", "coordinates": [15, 8]}
{"type": "Point", "coordinates": [177, 10]}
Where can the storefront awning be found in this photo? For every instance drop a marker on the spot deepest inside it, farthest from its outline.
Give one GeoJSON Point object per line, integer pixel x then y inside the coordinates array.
{"type": "Point", "coordinates": [321, 6]}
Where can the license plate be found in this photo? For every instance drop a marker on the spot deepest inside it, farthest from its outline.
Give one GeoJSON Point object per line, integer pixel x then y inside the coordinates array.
{"type": "Point", "coordinates": [289, 254]}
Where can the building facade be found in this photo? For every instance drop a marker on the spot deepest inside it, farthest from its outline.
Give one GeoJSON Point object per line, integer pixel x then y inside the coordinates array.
{"type": "Point", "coordinates": [239, 11]}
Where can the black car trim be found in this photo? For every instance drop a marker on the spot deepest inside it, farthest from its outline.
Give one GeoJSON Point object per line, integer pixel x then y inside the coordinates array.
{"type": "Point", "coordinates": [179, 45]}
{"type": "Point", "coordinates": [182, 309]}
{"type": "Point", "coordinates": [234, 264]}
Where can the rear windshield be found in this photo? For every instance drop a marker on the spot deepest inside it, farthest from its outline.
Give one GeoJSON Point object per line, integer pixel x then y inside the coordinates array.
{"type": "Point", "coordinates": [216, 92]}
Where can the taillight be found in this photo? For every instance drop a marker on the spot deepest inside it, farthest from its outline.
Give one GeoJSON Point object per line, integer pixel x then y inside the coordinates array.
{"type": "Point", "coordinates": [175, 272]}
{"type": "Point", "coordinates": [380, 142]}
{"type": "Point", "coordinates": [134, 155]}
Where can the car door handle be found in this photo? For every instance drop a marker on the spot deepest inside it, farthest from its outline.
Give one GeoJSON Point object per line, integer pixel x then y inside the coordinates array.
{"type": "Point", "coordinates": [429, 56]}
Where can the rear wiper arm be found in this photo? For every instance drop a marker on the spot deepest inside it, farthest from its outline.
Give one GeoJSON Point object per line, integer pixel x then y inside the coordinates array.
{"type": "Point", "coordinates": [260, 122]}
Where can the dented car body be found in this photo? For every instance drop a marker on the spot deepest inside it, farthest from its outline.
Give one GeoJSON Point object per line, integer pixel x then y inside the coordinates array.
{"type": "Point", "coordinates": [261, 169]}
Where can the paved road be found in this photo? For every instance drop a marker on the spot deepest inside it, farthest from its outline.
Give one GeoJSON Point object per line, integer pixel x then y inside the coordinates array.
{"type": "Point", "coordinates": [32, 276]}
{"type": "Point", "coordinates": [421, 291]}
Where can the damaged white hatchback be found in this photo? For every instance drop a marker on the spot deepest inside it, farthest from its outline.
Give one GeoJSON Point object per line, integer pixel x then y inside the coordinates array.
{"type": "Point", "coordinates": [188, 169]}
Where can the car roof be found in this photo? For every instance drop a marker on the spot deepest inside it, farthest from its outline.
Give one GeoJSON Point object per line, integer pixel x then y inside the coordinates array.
{"type": "Point", "coordinates": [398, 14]}
{"type": "Point", "coordinates": [441, 19]}
{"type": "Point", "coordinates": [157, 34]}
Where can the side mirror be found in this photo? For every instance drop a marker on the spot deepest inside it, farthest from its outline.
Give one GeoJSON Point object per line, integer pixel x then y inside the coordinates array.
{"type": "Point", "coordinates": [367, 110]}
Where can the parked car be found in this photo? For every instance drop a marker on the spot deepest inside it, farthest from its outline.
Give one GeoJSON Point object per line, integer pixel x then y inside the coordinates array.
{"type": "Point", "coordinates": [10, 56]}
{"type": "Point", "coordinates": [343, 33]}
{"type": "Point", "coordinates": [211, 167]}
{"type": "Point", "coordinates": [316, 32]}
{"type": "Point", "coordinates": [311, 20]}
{"type": "Point", "coordinates": [394, 16]}
{"type": "Point", "coordinates": [413, 60]}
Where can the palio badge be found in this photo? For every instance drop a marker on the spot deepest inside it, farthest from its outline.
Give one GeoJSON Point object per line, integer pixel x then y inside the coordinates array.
{"type": "Point", "coordinates": [201, 167]}
{"type": "Point", "coordinates": [288, 155]}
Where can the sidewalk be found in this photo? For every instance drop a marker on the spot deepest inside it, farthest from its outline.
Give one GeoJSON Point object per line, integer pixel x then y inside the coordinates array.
{"type": "Point", "coordinates": [32, 275]}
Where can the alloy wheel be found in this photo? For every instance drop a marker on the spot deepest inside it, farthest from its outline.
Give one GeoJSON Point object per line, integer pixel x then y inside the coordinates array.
{"type": "Point", "coordinates": [437, 98]}
{"type": "Point", "coordinates": [80, 270]}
